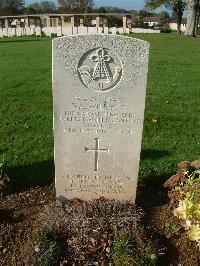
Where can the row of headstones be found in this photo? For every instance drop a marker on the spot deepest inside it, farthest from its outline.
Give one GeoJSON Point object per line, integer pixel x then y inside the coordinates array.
{"type": "Point", "coordinates": [60, 31]}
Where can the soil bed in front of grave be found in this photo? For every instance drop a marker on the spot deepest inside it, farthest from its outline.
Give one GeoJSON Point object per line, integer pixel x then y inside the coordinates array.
{"type": "Point", "coordinates": [23, 213]}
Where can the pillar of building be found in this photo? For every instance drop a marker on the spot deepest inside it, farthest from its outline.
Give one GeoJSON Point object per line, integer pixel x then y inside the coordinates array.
{"type": "Point", "coordinates": [35, 22]}
{"type": "Point", "coordinates": [56, 22]}
{"type": "Point", "coordinates": [81, 22]}
{"type": "Point", "coordinates": [97, 21]}
{"type": "Point", "coordinates": [72, 21]}
{"type": "Point", "coordinates": [129, 23]}
{"type": "Point", "coordinates": [124, 23]}
{"type": "Point", "coordinates": [6, 23]}
{"type": "Point", "coordinates": [1, 24]}
{"type": "Point", "coordinates": [105, 22]}
{"type": "Point", "coordinates": [53, 22]}
{"type": "Point", "coordinates": [27, 22]}
{"type": "Point", "coordinates": [18, 23]}
{"type": "Point", "coordinates": [39, 23]}
{"type": "Point", "coordinates": [49, 22]}
{"type": "Point", "coordinates": [62, 21]}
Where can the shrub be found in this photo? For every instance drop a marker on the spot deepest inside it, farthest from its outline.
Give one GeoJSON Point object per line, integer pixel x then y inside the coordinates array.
{"type": "Point", "coordinates": [166, 29]}
{"type": "Point", "coordinates": [185, 197]}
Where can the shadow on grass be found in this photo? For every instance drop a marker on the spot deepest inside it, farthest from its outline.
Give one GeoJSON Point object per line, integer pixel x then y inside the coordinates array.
{"type": "Point", "coordinates": [26, 176]}
{"type": "Point", "coordinates": [153, 154]}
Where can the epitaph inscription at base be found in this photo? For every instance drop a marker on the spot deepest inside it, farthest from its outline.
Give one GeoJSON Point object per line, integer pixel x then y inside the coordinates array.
{"type": "Point", "coordinates": [99, 88]}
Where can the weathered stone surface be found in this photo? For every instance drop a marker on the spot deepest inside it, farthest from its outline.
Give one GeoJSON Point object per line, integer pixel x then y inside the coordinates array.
{"type": "Point", "coordinates": [99, 87]}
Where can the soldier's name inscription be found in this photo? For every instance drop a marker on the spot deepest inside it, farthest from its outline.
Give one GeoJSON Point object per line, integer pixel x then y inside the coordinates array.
{"type": "Point", "coordinates": [100, 115]}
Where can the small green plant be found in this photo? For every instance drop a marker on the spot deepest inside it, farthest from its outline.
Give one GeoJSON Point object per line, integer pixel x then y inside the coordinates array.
{"type": "Point", "coordinates": [121, 251]}
{"type": "Point", "coordinates": [48, 250]}
{"type": "Point", "coordinates": [123, 246]}
{"type": "Point", "coordinates": [171, 230]}
{"type": "Point", "coordinates": [149, 258]}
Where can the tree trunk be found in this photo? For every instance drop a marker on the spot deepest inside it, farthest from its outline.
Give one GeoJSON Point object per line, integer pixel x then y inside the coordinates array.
{"type": "Point", "coordinates": [191, 18]}
{"type": "Point", "coordinates": [197, 24]}
{"type": "Point", "coordinates": [197, 17]}
{"type": "Point", "coordinates": [179, 21]}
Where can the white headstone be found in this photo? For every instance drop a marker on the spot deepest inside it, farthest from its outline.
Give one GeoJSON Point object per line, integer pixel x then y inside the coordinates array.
{"type": "Point", "coordinates": [67, 31]}
{"type": "Point", "coordinates": [106, 30]}
{"type": "Point", "coordinates": [28, 31]}
{"type": "Point", "coordinates": [92, 30]}
{"type": "Point", "coordinates": [38, 31]}
{"type": "Point", "coordinates": [47, 31]}
{"type": "Point", "coordinates": [32, 30]}
{"type": "Point", "coordinates": [82, 30]}
{"type": "Point", "coordinates": [74, 30]}
{"type": "Point", "coordinates": [23, 32]}
{"type": "Point", "coordinates": [19, 32]}
{"type": "Point", "coordinates": [1, 33]}
{"type": "Point", "coordinates": [10, 32]}
{"type": "Point", "coordinates": [120, 30]}
{"type": "Point", "coordinates": [5, 32]}
{"type": "Point", "coordinates": [99, 87]}
{"type": "Point", "coordinates": [59, 31]}
{"type": "Point", "coordinates": [13, 31]}
{"type": "Point", "coordinates": [100, 30]}
{"type": "Point", "coordinates": [54, 30]}
{"type": "Point", "coordinates": [113, 30]}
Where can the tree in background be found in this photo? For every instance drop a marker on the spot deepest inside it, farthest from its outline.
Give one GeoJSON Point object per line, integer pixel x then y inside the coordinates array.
{"type": "Point", "coordinates": [101, 9]}
{"type": "Point", "coordinates": [11, 7]}
{"type": "Point", "coordinates": [34, 8]}
{"type": "Point", "coordinates": [193, 8]}
{"type": "Point", "coordinates": [145, 13]}
{"type": "Point", "coordinates": [114, 21]}
{"type": "Point", "coordinates": [44, 7]}
{"type": "Point", "coordinates": [176, 6]}
{"type": "Point", "coordinates": [75, 6]}
{"type": "Point", "coordinates": [48, 7]}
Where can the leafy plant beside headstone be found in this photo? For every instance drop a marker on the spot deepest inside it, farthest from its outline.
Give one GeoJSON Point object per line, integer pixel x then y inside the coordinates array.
{"type": "Point", "coordinates": [171, 229]}
{"type": "Point", "coordinates": [185, 197]}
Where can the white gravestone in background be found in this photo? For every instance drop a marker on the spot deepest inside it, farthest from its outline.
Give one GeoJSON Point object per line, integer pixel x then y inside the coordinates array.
{"type": "Point", "coordinates": [100, 30]}
{"type": "Point", "coordinates": [59, 31]}
{"type": "Point", "coordinates": [106, 30]}
{"type": "Point", "coordinates": [99, 87]}
{"type": "Point", "coordinates": [19, 32]}
{"type": "Point", "coordinates": [67, 31]}
{"type": "Point", "coordinates": [5, 32]}
{"type": "Point", "coordinates": [113, 30]}
{"type": "Point", "coordinates": [74, 30]}
{"type": "Point", "coordinates": [10, 32]}
{"type": "Point", "coordinates": [82, 30]}
{"type": "Point", "coordinates": [38, 31]}
{"type": "Point", "coordinates": [92, 30]}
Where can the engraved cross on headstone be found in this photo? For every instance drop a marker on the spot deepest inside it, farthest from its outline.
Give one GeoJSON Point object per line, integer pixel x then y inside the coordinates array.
{"type": "Point", "coordinates": [96, 150]}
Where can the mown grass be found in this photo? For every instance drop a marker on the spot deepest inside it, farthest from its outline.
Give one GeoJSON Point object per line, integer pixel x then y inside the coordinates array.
{"type": "Point", "coordinates": [173, 99]}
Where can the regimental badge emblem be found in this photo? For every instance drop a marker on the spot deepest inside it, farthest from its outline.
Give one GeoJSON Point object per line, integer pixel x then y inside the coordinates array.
{"type": "Point", "coordinates": [100, 69]}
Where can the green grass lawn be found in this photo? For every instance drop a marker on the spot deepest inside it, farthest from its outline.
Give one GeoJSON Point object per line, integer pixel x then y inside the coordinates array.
{"type": "Point", "coordinates": [173, 99]}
